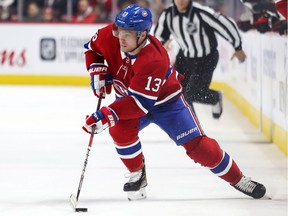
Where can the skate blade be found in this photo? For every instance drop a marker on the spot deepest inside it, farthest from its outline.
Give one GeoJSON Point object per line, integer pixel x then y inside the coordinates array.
{"type": "Point", "coordinates": [137, 195]}
{"type": "Point", "coordinates": [73, 201]}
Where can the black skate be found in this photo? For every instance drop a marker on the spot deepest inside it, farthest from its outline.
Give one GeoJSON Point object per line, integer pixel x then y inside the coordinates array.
{"type": "Point", "coordinates": [136, 185]}
{"type": "Point", "coordinates": [217, 109]}
{"type": "Point", "coordinates": [250, 188]}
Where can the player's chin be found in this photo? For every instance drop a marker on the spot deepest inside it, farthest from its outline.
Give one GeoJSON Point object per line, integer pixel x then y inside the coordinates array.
{"type": "Point", "coordinates": [124, 48]}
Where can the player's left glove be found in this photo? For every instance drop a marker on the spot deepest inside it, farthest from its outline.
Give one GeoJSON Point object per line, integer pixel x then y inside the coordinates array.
{"type": "Point", "coordinates": [101, 119]}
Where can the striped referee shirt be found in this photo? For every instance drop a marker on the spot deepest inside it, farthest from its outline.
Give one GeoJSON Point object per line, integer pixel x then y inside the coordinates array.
{"type": "Point", "coordinates": [195, 29]}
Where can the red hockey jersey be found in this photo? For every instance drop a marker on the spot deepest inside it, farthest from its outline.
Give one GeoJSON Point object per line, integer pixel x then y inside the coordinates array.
{"type": "Point", "coordinates": [141, 82]}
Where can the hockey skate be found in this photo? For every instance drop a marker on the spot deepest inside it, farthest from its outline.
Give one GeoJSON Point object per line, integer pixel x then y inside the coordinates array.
{"type": "Point", "coordinates": [250, 188]}
{"type": "Point", "coordinates": [135, 187]}
{"type": "Point", "coordinates": [217, 109]}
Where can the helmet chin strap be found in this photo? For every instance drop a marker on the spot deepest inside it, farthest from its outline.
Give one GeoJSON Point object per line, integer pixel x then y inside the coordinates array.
{"type": "Point", "coordinates": [139, 44]}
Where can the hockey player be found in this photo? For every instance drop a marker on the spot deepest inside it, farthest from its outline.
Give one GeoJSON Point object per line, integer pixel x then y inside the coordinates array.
{"type": "Point", "coordinates": [148, 91]}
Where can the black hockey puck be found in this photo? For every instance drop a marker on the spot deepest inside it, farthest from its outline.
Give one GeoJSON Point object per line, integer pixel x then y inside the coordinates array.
{"type": "Point", "coordinates": [81, 209]}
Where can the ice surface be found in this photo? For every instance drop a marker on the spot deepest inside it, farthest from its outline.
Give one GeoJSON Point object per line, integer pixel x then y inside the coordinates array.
{"type": "Point", "coordinates": [42, 151]}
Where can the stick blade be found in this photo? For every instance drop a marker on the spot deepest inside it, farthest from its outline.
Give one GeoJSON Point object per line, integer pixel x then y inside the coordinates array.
{"type": "Point", "coordinates": [81, 209]}
{"type": "Point", "coordinates": [266, 197]}
{"type": "Point", "coordinates": [73, 201]}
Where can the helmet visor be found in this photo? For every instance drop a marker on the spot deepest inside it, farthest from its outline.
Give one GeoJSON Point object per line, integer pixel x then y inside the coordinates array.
{"type": "Point", "coordinates": [124, 33]}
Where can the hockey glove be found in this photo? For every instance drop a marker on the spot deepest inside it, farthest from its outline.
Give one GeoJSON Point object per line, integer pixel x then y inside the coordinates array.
{"type": "Point", "coordinates": [102, 119]}
{"type": "Point", "coordinates": [101, 81]}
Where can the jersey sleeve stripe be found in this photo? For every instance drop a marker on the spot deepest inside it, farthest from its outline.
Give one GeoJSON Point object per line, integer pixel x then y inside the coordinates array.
{"type": "Point", "coordinates": [169, 72]}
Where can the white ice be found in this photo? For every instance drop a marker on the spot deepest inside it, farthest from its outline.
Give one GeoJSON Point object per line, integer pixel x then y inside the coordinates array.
{"type": "Point", "coordinates": [42, 152]}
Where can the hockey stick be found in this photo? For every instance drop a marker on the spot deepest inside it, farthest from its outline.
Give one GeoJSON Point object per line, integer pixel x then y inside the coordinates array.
{"type": "Point", "coordinates": [74, 199]}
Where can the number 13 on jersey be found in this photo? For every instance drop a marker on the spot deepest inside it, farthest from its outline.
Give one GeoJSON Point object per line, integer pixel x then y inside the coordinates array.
{"type": "Point", "coordinates": [153, 84]}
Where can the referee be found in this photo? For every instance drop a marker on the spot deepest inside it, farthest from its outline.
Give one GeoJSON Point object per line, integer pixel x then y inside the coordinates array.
{"type": "Point", "coordinates": [194, 26]}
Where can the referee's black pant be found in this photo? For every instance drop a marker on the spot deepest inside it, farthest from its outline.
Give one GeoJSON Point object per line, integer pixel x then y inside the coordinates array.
{"type": "Point", "coordinates": [198, 74]}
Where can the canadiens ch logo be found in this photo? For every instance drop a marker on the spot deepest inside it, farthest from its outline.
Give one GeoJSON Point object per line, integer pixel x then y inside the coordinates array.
{"type": "Point", "coordinates": [191, 28]}
{"type": "Point", "coordinates": [120, 88]}
{"type": "Point", "coordinates": [144, 13]}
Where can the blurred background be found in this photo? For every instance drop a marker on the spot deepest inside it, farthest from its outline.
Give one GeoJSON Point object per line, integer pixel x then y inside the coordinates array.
{"type": "Point", "coordinates": [259, 14]}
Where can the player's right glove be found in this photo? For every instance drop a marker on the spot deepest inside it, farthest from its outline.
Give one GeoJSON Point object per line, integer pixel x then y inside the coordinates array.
{"type": "Point", "coordinates": [101, 81]}
{"type": "Point", "coordinates": [101, 119]}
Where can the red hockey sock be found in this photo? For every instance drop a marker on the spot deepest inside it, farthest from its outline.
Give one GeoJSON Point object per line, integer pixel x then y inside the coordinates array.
{"type": "Point", "coordinates": [227, 169]}
{"type": "Point", "coordinates": [207, 152]}
{"type": "Point", "coordinates": [134, 164]}
{"type": "Point", "coordinates": [127, 144]}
